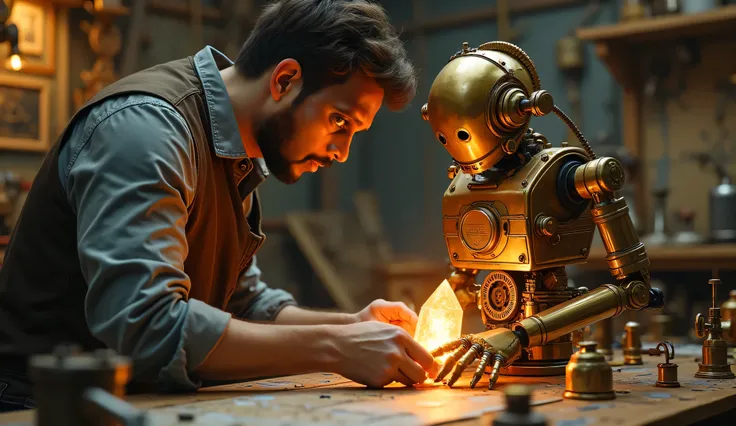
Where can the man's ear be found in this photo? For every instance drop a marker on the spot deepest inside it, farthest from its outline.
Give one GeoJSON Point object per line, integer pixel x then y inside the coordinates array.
{"type": "Point", "coordinates": [286, 79]}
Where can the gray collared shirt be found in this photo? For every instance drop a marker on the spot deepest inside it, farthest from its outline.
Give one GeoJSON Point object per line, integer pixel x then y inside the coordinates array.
{"type": "Point", "coordinates": [115, 133]}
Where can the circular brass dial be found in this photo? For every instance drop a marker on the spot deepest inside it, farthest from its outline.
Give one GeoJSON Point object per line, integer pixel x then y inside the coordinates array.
{"type": "Point", "coordinates": [479, 229]}
{"type": "Point", "coordinates": [499, 297]}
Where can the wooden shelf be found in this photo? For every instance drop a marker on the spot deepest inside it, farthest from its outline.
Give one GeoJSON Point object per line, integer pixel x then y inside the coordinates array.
{"type": "Point", "coordinates": [719, 21]}
{"type": "Point", "coordinates": [676, 258]}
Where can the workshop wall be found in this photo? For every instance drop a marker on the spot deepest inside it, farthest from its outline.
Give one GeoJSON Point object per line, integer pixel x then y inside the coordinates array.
{"type": "Point", "coordinates": [409, 165]}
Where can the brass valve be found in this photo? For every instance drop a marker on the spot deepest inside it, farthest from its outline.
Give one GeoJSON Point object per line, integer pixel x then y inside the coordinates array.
{"type": "Point", "coordinates": [715, 350]}
{"type": "Point", "coordinates": [714, 314]}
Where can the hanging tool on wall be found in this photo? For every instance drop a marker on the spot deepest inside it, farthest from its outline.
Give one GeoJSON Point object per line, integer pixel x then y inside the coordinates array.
{"type": "Point", "coordinates": [686, 56]}
{"type": "Point", "coordinates": [571, 61]}
{"type": "Point", "coordinates": [503, 23]}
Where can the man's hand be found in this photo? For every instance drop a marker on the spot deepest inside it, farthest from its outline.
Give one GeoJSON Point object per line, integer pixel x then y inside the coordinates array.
{"type": "Point", "coordinates": [376, 354]}
{"type": "Point", "coordinates": [396, 313]}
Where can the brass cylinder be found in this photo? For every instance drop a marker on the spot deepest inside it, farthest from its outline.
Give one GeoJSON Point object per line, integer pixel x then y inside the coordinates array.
{"type": "Point", "coordinates": [667, 376]}
{"type": "Point", "coordinates": [604, 337]}
{"type": "Point", "coordinates": [625, 253]}
{"type": "Point", "coordinates": [588, 376]}
{"type": "Point", "coordinates": [603, 175]}
{"type": "Point", "coordinates": [715, 361]}
{"type": "Point", "coordinates": [604, 302]}
{"type": "Point", "coordinates": [632, 344]}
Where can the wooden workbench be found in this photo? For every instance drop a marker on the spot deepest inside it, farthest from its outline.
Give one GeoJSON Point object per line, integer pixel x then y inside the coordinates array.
{"type": "Point", "coordinates": [320, 399]}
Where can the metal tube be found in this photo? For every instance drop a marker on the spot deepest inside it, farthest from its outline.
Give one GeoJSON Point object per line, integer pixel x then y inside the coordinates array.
{"type": "Point", "coordinates": [604, 302]}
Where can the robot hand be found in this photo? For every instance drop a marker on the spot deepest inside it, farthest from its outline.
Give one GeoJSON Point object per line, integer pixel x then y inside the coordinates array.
{"type": "Point", "coordinates": [500, 345]}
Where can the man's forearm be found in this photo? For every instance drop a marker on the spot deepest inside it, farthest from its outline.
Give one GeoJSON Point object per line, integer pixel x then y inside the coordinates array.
{"type": "Point", "coordinates": [292, 315]}
{"type": "Point", "coordinates": [248, 350]}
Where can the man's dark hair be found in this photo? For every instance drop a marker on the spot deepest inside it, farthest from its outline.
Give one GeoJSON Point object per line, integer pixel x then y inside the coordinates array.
{"type": "Point", "coordinates": [331, 39]}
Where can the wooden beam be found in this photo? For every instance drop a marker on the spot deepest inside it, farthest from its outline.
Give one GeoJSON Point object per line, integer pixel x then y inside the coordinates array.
{"type": "Point", "coordinates": [482, 15]}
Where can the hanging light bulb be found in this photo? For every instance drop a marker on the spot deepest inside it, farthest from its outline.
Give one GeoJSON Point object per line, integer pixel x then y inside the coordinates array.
{"type": "Point", "coordinates": [9, 33]}
{"type": "Point", "coordinates": [14, 60]}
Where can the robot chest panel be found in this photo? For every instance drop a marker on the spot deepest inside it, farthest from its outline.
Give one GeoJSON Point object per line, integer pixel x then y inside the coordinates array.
{"type": "Point", "coordinates": [517, 225]}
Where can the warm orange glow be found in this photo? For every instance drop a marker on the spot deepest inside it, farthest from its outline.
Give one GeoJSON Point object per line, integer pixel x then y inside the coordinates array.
{"type": "Point", "coordinates": [440, 319]}
{"type": "Point", "coordinates": [15, 62]}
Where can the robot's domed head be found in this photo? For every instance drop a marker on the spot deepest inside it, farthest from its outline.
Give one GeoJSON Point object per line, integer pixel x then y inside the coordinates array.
{"type": "Point", "coordinates": [479, 104]}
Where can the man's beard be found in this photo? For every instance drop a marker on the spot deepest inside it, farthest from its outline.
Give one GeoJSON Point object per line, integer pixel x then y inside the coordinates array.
{"type": "Point", "coordinates": [272, 135]}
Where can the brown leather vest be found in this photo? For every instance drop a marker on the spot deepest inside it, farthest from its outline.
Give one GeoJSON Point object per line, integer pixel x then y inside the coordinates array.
{"type": "Point", "coordinates": [42, 289]}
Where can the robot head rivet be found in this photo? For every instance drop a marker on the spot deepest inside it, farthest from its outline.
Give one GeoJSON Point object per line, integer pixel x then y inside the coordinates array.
{"type": "Point", "coordinates": [584, 251]}
{"type": "Point", "coordinates": [452, 188]}
{"type": "Point", "coordinates": [455, 256]}
{"type": "Point", "coordinates": [524, 183]}
{"type": "Point", "coordinates": [545, 157]}
{"type": "Point", "coordinates": [522, 258]}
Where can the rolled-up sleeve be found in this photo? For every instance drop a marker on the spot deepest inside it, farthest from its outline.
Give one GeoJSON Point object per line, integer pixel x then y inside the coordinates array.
{"type": "Point", "coordinates": [130, 182]}
{"type": "Point", "coordinates": [254, 300]}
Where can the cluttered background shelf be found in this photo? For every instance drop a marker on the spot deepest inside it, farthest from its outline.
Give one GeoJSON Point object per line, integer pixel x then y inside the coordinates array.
{"type": "Point", "coordinates": [704, 257]}
{"type": "Point", "coordinates": [716, 22]}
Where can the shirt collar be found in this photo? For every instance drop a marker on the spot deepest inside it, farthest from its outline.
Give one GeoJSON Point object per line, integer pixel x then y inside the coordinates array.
{"type": "Point", "coordinates": [225, 133]}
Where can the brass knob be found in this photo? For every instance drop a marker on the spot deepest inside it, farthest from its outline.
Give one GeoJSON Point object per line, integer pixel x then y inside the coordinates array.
{"type": "Point", "coordinates": [540, 103]}
{"type": "Point", "coordinates": [547, 225]}
{"type": "Point", "coordinates": [700, 326]}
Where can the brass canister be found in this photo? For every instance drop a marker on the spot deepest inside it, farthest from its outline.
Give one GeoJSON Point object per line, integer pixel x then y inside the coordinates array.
{"type": "Point", "coordinates": [588, 376]}
{"type": "Point", "coordinates": [632, 344]}
{"type": "Point", "coordinates": [728, 308]}
{"type": "Point", "coordinates": [667, 376]}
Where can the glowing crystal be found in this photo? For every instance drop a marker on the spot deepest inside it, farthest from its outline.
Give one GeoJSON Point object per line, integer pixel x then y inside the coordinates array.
{"type": "Point", "coordinates": [440, 319]}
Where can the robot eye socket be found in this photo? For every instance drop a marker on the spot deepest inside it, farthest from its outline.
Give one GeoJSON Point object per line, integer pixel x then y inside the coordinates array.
{"type": "Point", "coordinates": [463, 135]}
{"type": "Point", "coordinates": [441, 138]}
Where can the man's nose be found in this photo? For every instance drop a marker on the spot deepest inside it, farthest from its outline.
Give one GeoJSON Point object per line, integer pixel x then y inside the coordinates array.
{"type": "Point", "coordinates": [339, 150]}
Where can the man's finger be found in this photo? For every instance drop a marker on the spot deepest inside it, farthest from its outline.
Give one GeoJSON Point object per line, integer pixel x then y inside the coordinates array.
{"type": "Point", "coordinates": [412, 370]}
{"type": "Point", "coordinates": [422, 357]}
{"type": "Point", "coordinates": [404, 379]}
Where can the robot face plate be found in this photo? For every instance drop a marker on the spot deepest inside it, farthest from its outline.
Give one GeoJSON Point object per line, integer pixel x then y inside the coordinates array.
{"type": "Point", "coordinates": [474, 104]}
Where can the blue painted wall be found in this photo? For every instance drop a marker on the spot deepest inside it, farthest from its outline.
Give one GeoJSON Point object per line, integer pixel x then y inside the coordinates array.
{"type": "Point", "coordinates": [400, 146]}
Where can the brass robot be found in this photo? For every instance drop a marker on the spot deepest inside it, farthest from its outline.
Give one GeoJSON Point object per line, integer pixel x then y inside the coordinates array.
{"type": "Point", "coordinates": [523, 210]}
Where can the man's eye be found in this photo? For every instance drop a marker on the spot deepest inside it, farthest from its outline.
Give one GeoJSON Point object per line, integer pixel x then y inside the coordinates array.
{"type": "Point", "coordinates": [339, 121]}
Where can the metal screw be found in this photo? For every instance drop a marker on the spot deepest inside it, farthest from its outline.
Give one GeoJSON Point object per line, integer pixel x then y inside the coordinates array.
{"type": "Point", "coordinates": [524, 183]}
{"type": "Point", "coordinates": [522, 258]}
{"type": "Point", "coordinates": [545, 157]}
{"type": "Point", "coordinates": [455, 256]}
{"type": "Point", "coordinates": [584, 251]}
{"type": "Point", "coordinates": [452, 188]}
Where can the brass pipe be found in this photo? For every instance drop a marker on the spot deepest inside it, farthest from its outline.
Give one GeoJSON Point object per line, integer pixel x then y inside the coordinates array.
{"type": "Point", "coordinates": [625, 253]}
{"type": "Point", "coordinates": [604, 302]}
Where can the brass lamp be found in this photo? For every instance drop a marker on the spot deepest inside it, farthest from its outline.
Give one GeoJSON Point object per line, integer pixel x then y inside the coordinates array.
{"type": "Point", "coordinates": [9, 33]}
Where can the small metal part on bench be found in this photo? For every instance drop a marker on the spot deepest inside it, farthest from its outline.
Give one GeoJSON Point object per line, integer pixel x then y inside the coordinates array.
{"type": "Point", "coordinates": [588, 376]}
{"type": "Point", "coordinates": [518, 409]}
{"type": "Point", "coordinates": [631, 344]}
{"type": "Point", "coordinates": [715, 349]}
{"type": "Point", "coordinates": [666, 372]}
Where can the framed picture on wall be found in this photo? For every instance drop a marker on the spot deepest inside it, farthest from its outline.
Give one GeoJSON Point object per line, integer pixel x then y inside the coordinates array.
{"type": "Point", "coordinates": [24, 113]}
{"type": "Point", "coordinates": [36, 22]}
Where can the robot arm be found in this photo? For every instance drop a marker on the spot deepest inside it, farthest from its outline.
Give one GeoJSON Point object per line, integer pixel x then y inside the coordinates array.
{"type": "Point", "coordinates": [627, 260]}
